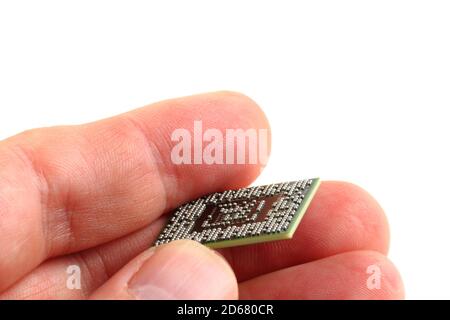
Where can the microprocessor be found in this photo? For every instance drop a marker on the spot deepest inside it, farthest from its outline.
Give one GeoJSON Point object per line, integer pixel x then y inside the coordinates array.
{"type": "Point", "coordinates": [241, 217]}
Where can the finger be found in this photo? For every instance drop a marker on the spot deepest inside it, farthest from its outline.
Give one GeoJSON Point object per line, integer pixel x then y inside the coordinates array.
{"type": "Point", "coordinates": [179, 270]}
{"type": "Point", "coordinates": [342, 217]}
{"type": "Point", "coordinates": [66, 189]}
{"type": "Point", "coordinates": [343, 276]}
{"type": "Point", "coordinates": [96, 265]}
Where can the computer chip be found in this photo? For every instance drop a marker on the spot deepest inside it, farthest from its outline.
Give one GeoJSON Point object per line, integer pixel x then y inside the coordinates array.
{"type": "Point", "coordinates": [244, 216]}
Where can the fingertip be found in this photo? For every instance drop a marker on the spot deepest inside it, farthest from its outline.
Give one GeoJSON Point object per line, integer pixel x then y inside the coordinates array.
{"type": "Point", "coordinates": [243, 103]}
{"type": "Point", "coordinates": [356, 275]}
{"type": "Point", "coordinates": [189, 270]}
{"type": "Point", "coordinates": [355, 209]}
{"type": "Point", "coordinates": [226, 112]}
{"type": "Point", "coordinates": [181, 269]}
{"type": "Point", "coordinates": [371, 264]}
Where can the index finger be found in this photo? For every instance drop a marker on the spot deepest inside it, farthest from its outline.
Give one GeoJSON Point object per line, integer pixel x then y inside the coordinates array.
{"type": "Point", "coordinates": [65, 189]}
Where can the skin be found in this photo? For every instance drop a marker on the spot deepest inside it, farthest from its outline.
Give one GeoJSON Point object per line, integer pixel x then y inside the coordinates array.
{"type": "Point", "coordinates": [95, 195]}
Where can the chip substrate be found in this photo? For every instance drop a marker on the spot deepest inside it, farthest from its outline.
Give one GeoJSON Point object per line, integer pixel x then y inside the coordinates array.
{"type": "Point", "coordinates": [241, 217]}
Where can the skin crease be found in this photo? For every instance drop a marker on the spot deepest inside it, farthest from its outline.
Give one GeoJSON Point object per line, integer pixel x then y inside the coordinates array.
{"type": "Point", "coordinates": [95, 195]}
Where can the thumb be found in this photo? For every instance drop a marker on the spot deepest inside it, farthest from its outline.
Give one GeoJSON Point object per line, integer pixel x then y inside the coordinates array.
{"type": "Point", "coordinates": [181, 269]}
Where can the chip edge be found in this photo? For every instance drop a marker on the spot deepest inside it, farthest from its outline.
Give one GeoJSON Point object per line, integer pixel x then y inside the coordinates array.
{"type": "Point", "coordinates": [288, 234]}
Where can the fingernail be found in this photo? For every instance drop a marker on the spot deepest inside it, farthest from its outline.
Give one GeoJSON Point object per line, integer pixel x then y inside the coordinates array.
{"type": "Point", "coordinates": [183, 270]}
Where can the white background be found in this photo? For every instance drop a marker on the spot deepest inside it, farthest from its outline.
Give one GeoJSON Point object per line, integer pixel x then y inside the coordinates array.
{"type": "Point", "coordinates": [369, 81]}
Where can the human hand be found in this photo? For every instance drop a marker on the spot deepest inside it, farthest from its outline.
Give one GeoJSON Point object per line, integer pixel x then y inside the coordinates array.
{"type": "Point", "coordinates": [94, 196]}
